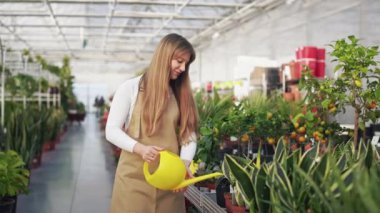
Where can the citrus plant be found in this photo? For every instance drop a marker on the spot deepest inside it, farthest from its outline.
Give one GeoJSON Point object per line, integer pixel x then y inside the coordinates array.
{"type": "Point", "coordinates": [358, 81]}
{"type": "Point", "coordinates": [355, 65]}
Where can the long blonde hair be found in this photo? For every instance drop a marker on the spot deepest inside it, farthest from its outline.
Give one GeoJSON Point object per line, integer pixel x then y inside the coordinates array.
{"type": "Point", "coordinates": [156, 81]}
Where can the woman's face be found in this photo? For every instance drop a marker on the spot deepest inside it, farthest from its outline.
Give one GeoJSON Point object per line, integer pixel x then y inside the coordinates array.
{"type": "Point", "coordinates": [179, 62]}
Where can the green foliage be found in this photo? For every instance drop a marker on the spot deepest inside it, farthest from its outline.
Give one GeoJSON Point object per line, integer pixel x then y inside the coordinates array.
{"type": "Point", "coordinates": [54, 123]}
{"type": "Point", "coordinates": [313, 181]}
{"type": "Point", "coordinates": [262, 118]}
{"type": "Point", "coordinates": [27, 130]}
{"type": "Point", "coordinates": [213, 111]}
{"type": "Point", "coordinates": [80, 107]}
{"type": "Point", "coordinates": [355, 64]}
{"type": "Point", "coordinates": [14, 177]}
{"type": "Point", "coordinates": [21, 126]}
{"type": "Point", "coordinates": [21, 84]}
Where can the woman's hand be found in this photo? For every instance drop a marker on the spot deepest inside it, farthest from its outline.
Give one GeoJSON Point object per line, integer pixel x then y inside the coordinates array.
{"type": "Point", "coordinates": [189, 175]}
{"type": "Point", "coordinates": [147, 153]}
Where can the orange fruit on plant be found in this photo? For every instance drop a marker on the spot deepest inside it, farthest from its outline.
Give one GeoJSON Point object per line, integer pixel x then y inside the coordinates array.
{"type": "Point", "coordinates": [371, 105]}
{"type": "Point", "coordinates": [293, 135]}
{"type": "Point", "coordinates": [315, 134]}
{"type": "Point", "coordinates": [301, 130]}
{"type": "Point", "coordinates": [301, 139]}
{"type": "Point", "coordinates": [271, 140]}
{"type": "Point", "coordinates": [296, 125]}
{"type": "Point", "coordinates": [331, 105]}
{"type": "Point", "coordinates": [244, 138]}
{"type": "Point", "coordinates": [332, 110]}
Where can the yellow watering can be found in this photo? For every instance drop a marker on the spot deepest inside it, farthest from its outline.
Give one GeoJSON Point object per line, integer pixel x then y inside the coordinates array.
{"type": "Point", "coordinates": [171, 173]}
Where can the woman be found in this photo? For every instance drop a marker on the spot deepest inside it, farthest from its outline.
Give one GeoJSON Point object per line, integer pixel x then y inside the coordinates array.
{"type": "Point", "coordinates": [159, 113]}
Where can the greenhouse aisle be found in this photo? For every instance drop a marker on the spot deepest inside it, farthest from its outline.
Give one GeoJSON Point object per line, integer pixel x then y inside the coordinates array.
{"type": "Point", "coordinates": [76, 177]}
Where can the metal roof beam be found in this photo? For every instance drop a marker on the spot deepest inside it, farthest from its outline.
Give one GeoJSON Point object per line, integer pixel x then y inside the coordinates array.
{"type": "Point", "coordinates": [109, 21]}
{"type": "Point", "coordinates": [16, 35]}
{"type": "Point", "coordinates": [54, 40]}
{"type": "Point", "coordinates": [141, 2]}
{"type": "Point", "coordinates": [104, 26]}
{"type": "Point", "coordinates": [85, 50]}
{"type": "Point", "coordinates": [57, 25]}
{"type": "Point", "coordinates": [166, 22]}
{"type": "Point", "coordinates": [124, 15]}
{"type": "Point", "coordinates": [125, 35]}
{"type": "Point", "coordinates": [231, 20]}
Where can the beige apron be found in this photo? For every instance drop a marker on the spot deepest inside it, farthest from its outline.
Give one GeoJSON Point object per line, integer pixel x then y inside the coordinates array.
{"type": "Point", "coordinates": [131, 193]}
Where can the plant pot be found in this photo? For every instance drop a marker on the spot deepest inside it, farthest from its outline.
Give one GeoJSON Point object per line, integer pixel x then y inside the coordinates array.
{"type": "Point", "coordinates": [49, 145]}
{"type": "Point", "coordinates": [36, 162]}
{"type": "Point", "coordinates": [237, 209]}
{"type": "Point", "coordinates": [228, 201]}
{"type": "Point", "coordinates": [288, 96]}
{"type": "Point", "coordinates": [7, 205]}
{"type": "Point", "coordinates": [211, 186]}
{"type": "Point", "coordinates": [297, 96]}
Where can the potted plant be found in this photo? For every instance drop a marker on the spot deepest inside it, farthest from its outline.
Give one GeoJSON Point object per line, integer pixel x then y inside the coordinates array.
{"type": "Point", "coordinates": [356, 65]}
{"type": "Point", "coordinates": [81, 111]}
{"type": "Point", "coordinates": [13, 179]}
{"type": "Point", "coordinates": [212, 112]}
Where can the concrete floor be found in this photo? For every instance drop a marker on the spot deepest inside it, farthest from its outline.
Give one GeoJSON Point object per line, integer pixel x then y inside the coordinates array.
{"type": "Point", "coordinates": [76, 177]}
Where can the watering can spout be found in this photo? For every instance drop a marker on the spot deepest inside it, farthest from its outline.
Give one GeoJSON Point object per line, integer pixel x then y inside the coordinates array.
{"type": "Point", "coordinates": [171, 173]}
{"type": "Point", "coordinates": [191, 181]}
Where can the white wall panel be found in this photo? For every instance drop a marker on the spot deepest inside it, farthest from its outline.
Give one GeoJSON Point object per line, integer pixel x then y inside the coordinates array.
{"type": "Point", "coordinates": [278, 33]}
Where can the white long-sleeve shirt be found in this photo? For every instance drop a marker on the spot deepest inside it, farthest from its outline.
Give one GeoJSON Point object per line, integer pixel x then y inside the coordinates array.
{"type": "Point", "coordinates": [120, 113]}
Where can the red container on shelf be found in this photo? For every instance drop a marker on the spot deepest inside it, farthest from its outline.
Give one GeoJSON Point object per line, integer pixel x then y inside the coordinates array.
{"type": "Point", "coordinates": [312, 64]}
{"type": "Point", "coordinates": [297, 70]}
{"type": "Point", "coordinates": [320, 69]}
{"type": "Point", "coordinates": [309, 52]}
{"type": "Point", "coordinates": [299, 54]}
{"type": "Point", "coordinates": [209, 87]}
{"type": "Point", "coordinates": [321, 54]}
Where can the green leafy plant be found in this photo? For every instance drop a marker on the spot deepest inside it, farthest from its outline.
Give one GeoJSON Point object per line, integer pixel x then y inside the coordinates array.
{"type": "Point", "coordinates": [212, 112]}
{"type": "Point", "coordinates": [21, 84]}
{"type": "Point", "coordinates": [22, 127]}
{"type": "Point", "coordinates": [308, 182]}
{"type": "Point", "coordinates": [14, 177]}
{"type": "Point", "coordinates": [356, 63]}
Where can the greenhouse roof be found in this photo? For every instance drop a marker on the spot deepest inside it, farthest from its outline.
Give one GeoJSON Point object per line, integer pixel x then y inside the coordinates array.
{"type": "Point", "coordinates": [116, 30]}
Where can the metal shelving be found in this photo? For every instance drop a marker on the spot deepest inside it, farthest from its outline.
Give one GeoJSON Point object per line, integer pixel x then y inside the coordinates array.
{"type": "Point", "coordinates": [203, 201]}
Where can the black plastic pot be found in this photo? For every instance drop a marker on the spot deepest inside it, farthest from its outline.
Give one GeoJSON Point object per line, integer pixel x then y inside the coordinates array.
{"type": "Point", "coordinates": [7, 205]}
{"type": "Point", "coordinates": [222, 187]}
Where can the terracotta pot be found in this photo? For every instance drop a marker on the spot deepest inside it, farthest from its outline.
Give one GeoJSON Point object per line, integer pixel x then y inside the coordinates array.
{"type": "Point", "coordinates": [237, 209]}
{"type": "Point", "coordinates": [211, 186]}
{"type": "Point", "coordinates": [228, 201]}
{"type": "Point", "coordinates": [288, 96]}
{"type": "Point", "coordinates": [48, 146]}
{"type": "Point", "coordinates": [297, 96]}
